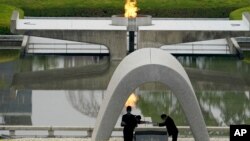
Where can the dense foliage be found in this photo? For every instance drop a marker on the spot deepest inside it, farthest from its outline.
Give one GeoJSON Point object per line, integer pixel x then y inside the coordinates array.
{"type": "Point", "coordinates": [5, 15]}
{"type": "Point", "coordinates": [106, 8]}
{"type": "Point", "coordinates": [237, 14]}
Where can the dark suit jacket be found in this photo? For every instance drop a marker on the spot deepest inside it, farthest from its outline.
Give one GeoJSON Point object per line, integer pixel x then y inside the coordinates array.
{"type": "Point", "coordinates": [170, 125]}
{"type": "Point", "coordinates": [130, 122]}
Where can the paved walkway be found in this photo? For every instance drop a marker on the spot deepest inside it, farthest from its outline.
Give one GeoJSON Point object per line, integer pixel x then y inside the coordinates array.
{"type": "Point", "coordinates": [112, 139]}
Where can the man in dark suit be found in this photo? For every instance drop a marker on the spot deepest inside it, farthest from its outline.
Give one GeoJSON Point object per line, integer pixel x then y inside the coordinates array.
{"type": "Point", "coordinates": [170, 125]}
{"type": "Point", "coordinates": [129, 123]}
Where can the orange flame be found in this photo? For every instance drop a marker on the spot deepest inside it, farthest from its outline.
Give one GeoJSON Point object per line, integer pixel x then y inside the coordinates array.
{"type": "Point", "coordinates": [131, 100]}
{"type": "Point", "coordinates": [130, 9]}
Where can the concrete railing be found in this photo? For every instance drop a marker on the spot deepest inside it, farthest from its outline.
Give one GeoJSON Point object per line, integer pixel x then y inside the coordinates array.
{"type": "Point", "coordinates": [11, 37]}
{"type": "Point", "coordinates": [242, 39]}
{"type": "Point", "coordinates": [66, 48]}
{"type": "Point", "coordinates": [211, 49]}
{"type": "Point", "coordinates": [10, 41]}
{"type": "Point", "coordinates": [183, 130]}
{"type": "Point", "coordinates": [51, 129]}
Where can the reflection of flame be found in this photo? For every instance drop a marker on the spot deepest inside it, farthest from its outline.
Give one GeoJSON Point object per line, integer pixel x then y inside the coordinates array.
{"type": "Point", "coordinates": [130, 9]}
{"type": "Point", "coordinates": [131, 100]}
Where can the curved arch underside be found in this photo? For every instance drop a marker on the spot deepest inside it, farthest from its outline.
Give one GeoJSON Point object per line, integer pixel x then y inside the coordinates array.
{"type": "Point", "coordinates": [142, 66]}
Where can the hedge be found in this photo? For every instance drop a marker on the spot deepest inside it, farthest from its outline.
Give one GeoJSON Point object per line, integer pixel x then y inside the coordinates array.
{"type": "Point", "coordinates": [107, 8]}
{"type": "Point", "coordinates": [5, 16]}
{"type": "Point", "coordinates": [237, 14]}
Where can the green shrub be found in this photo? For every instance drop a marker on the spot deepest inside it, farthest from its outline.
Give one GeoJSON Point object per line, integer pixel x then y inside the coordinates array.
{"type": "Point", "coordinates": [5, 14]}
{"type": "Point", "coordinates": [107, 8]}
{"type": "Point", "coordinates": [189, 13]}
{"type": "Point", "coordinates": [237, 14]}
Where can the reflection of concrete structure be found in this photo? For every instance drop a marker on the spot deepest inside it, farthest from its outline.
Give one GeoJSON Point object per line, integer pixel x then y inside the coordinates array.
{"type": "Point", "coordinates": [148, 65]}
{"type": "Point", "coordinates": [91, 77]}
{"type": "Point", "coordinates": [16, 106]}
{"type": "Point", "coordinates": [96, 77]}
{"type": "Point", "coordinates": [86, 102]}
{"type": "Point", "coordinates": [100, 31]}
{"type": "Point", "coordinates": [17, 109]}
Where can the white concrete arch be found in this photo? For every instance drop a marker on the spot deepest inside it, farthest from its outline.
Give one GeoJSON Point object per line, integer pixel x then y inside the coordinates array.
{"type": "Point", "coordinates": [148, 65]}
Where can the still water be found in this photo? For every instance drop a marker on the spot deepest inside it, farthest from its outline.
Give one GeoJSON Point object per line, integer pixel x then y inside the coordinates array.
{"type": "Point", "coordinates": [68, 91]}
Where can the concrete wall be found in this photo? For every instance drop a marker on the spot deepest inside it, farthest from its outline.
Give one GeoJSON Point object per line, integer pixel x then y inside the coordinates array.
{"type": "Point", "coordinates": [159, 38]}
{"type": "Point", "coordinates": [114, 40]}
{"type": "Point", "coordinates": [246, 18]}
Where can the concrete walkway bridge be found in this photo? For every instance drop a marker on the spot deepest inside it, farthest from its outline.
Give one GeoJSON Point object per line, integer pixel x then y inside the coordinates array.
{"type": "Point", "coordinates": [118, 39]}
{"type": "Point", "coordinates": [244, 43]}
{"type": "Point", "coordinates": [38, 45]}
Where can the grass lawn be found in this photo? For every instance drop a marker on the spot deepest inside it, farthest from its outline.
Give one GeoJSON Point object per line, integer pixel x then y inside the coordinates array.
{"type": "Point", "coordinates": [237, 14]}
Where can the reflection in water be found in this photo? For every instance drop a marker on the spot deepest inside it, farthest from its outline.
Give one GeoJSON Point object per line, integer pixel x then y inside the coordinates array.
{"type": "Point", "coordinates": [222, 86]}
{"type": "Point", "coordinates": [39, 63]}
{"type": "Point", "coordinates": [227, 64]}
{"type": "Point", "coordinates": [86, 102]}
{"type": "Point", "coordinates": [16, 110]}
{"type": "Point", "coordinates": [220, 108]}
{"type": "Point", "coordinates": [226, 107]}
{"type": "Point", "coordinates": [154, 102]}
{"type": "Point", "coordinates": [51, 108]}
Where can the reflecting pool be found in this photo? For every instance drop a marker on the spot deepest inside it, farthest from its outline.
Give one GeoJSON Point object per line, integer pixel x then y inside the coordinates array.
{"type": "Point", "coordinates": [68, 90]}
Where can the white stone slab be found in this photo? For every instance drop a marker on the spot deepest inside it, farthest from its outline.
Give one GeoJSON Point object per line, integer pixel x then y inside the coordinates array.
{"type": "Point", "coordinates": [162, 25]}
{"type": "Point", "coordinates": [196, 25]}
{"type": "Point", "coordinates": [60, 24]}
